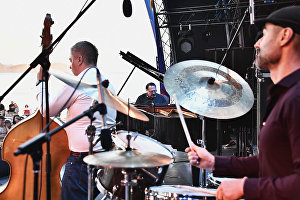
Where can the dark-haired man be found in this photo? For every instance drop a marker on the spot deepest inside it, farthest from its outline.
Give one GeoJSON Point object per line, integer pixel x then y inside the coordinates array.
{"type": "Point", "coordinates": [275, 172]}
{"type": "Point", "coordinates": [84, 55]}
{"type": "Point", "coordinates": [151, 97]}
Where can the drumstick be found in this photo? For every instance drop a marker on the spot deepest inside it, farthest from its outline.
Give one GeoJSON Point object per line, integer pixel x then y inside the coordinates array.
{"type": "Point", "coordinates": [212, 192]}
{"type": "Point", "coordinates": [186, 131]}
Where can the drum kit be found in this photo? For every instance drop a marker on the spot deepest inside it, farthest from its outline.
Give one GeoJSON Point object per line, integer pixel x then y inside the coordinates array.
{"type": "Point", "coordinates": [203, 87]}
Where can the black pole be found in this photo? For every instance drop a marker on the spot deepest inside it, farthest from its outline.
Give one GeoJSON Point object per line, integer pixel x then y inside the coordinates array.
{"type": "Point", "coordinates": [36, 159]}
{"type": "Point", "coordinates": [45, 77]}
{"type": "Point", "coordinates": [126, 80]}
{"type": "Point", "coordinates": [234, 36]}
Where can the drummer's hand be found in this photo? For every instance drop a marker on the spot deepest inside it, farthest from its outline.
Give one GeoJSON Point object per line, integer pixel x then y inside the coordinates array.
{"type": "Point", "coordinates": [229, 190]}
{"type": "Point", "coordinates": [200, 157]}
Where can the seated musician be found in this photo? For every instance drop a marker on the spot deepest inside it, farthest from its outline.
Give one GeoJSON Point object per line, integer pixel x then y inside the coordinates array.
{"type": "Point", "coordinates": [151, 97]}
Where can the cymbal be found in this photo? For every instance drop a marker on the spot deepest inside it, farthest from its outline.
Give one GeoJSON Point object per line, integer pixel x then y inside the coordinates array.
{"type": "Point", "coordinates": [89, 87]}
{"type": "Point", "coordinates": [209, 89]}
{"type": "Point", "coordinates": [128, 159]}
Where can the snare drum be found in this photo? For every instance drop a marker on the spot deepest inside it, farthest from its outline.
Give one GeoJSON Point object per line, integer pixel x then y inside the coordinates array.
{"type": "Point", "coordinates": [109, 179]}
{"type": "Point", "coordinates": [214, 182]}
{"type": "Point", "coordinates": [175, 192]}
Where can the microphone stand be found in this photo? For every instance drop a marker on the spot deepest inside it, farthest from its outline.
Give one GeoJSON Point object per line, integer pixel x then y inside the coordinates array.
{"type": "Point", "coordinates": [92, 134]}
{"type": "Point", "coordinates": [41, 59]}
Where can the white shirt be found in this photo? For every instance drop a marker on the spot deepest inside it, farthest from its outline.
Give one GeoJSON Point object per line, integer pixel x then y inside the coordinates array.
{"type": "Point", "coordinates": [78, 141]}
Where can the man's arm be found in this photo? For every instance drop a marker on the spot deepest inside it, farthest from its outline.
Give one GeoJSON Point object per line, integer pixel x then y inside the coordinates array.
{"type": "Point", "coordinates": [225, 166]}
{"type": "Point", "coordinates": [231, 166]}
{"type": "Point", "coordinates": [56, 98]}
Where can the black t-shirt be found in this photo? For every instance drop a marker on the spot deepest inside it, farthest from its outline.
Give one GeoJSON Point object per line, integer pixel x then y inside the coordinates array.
{"type": "Point", "coordinates": [159, 100]}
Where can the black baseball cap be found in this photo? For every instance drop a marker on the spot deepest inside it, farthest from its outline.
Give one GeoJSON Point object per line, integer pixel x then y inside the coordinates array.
{"type": "Point", "coordinates": [284, 17]}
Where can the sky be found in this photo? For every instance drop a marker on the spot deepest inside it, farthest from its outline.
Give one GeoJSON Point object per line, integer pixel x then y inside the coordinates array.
{"type": "Point", "coordinates": [21, 24]}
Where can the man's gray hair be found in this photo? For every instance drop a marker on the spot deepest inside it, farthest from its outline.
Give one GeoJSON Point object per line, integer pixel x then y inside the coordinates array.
{"type": "Point", "coordinates": [88, 51]}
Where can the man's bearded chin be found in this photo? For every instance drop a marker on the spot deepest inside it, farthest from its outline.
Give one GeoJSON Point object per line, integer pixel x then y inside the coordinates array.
{"type": "Point", "coordinates": [260, 63]}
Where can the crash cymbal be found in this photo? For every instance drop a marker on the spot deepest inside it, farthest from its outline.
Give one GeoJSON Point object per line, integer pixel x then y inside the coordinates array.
{"type": "Point", "coordinates": [128, 159]}
{"type": "Point", "coordinates": [209, 89]}
{"type": "Point", "coordinates": [89, 87]}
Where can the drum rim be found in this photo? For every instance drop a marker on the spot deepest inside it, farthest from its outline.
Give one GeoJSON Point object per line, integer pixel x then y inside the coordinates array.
{"type": "Point", "coordinates": [148, 192]}
{"type": "Point", "coordinates": [148, 138]}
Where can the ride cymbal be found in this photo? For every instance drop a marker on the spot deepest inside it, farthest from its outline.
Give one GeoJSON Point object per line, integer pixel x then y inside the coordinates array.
{"type": "Point", "coordinates": [209, 89]}
{"type": "Point", "coordinates": [128, 159]}
{"type": "Point", "coordinates": [89, 87]}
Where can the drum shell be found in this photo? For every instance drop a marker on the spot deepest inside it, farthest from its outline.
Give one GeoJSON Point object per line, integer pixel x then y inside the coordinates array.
{"type": "Point", "coordinates": [110, 178]}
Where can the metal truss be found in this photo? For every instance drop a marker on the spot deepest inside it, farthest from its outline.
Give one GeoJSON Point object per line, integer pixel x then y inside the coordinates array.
{"type": "Point", "coordinates": [164, 33]}
{"type": "Point", "coordinates": [225, 12]}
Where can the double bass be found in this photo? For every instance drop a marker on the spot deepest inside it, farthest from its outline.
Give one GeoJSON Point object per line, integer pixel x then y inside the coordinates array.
{"type": "Point", "coordinates": [21, 180]}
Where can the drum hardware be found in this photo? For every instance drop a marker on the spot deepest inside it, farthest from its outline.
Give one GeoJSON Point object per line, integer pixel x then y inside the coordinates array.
{"type": "Point", "coordinates": [203, 145]}
{"type": "Point", "coordinates": [128, 182]}
{"type": "Point", "coordinates": [116, 189]}
{"type": "Point", "coordinates": [173, 192]}
{"type": "Point", "coordinates": [128, 159]}
{"type": "Point", "coordinates": [214, 182]}
{"type": "Point", "coordinates": [90, 132]}
{"type": "Point", "coordinates": [108, 178]}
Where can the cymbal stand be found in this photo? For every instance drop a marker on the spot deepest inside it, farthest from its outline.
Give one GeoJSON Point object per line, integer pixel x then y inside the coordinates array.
{"type": "Point", "coordinates": [128, 183]}
{"type": "Point", "coordinates": [90, 132]}
{"type": "Point", "coordinates": [91, 135]}
{"type": "Point", "coordinates": [203, 145]}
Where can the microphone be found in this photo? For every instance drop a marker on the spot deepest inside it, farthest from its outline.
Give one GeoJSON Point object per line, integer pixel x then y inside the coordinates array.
{"type": "Point", "coordinates": [127, 8]}
{"type": "Point", "coordinates": [106, 140]}
{"type": "Point", "coordinates": [251, 11]}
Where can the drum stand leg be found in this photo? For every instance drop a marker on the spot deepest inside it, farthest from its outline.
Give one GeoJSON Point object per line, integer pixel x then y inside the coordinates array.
{"type": "Point", "coordinates": [128, 183]}
{"type": "Point", "coordinates": [203, 145]}
{"type": "Point", "coordinates": [90, 131]}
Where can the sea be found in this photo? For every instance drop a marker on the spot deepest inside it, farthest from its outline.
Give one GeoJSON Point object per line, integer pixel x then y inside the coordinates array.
{"type": "Point", "coordinates": [25, 91]}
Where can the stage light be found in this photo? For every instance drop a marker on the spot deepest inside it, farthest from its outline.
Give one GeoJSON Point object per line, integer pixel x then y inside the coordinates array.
{"type": "Point", "coordinates": [185, 39]}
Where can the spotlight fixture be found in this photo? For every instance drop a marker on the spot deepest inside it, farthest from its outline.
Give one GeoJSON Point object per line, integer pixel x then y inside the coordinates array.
{"type": "Point", "coordinates": [185, 39]}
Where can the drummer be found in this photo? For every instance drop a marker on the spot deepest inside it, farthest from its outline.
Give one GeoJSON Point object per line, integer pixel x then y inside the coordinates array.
{"type": "Point", "coordinates": [275, 172]}
{"type": "Point", "coordinates": [84, 55]}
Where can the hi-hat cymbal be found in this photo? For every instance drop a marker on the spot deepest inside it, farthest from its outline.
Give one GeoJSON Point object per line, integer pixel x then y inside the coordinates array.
{"type": "Point", "coordinates": [89, 87]}
{"type": "Point", "coordinates": [209, 89]}
{"type": "Point", "coordinates": [128, 159]}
